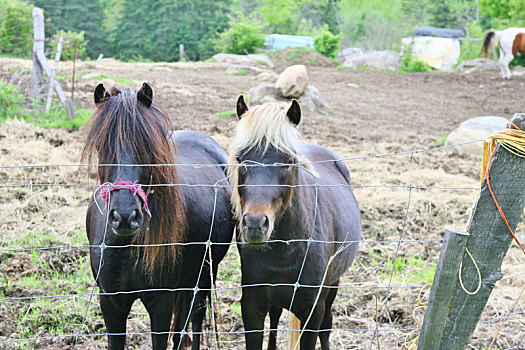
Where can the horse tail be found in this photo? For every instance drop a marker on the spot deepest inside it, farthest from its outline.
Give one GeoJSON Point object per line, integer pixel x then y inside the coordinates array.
{"type": "Point", "coordinates": [293, 340]}
{"type": "Point", "coordinates": [487, 42]}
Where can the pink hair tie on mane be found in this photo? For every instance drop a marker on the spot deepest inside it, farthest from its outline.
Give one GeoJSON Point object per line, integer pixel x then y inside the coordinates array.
{"type": "Point", "coordinates": [134, 187]}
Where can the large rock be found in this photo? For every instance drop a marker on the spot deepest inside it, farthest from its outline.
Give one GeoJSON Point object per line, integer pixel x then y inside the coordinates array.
{"type": "Point", "coordinates": [475, 129]}
{"type": "Point", "coordinates": [266, 92]}
{"type": "Point", "coordinates": [481, 63]}
{"type": "Point", "coordinates": [312, 100]}
{"type": "Point", "coordinates": [261, 93]}
{"type": "Point", "coordinates": [292, 81]}
{"type": "Point", "coordinates": [243, 59]}
{"type": "Point", "coordinates": [347, 53]}
{"type": "Point", "coordinates": [379, 59]}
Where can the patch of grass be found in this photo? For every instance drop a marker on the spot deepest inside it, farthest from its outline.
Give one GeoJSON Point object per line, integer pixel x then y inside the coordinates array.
{"type": "Point", "coordinates": [236, 308]}
{"type": "Point", "coordinates": [313, 60]}
{"type": "Point", "coordinates": [227, 113]}
{"type": "Point", "coordinates": [115, 79]}
{"type": "Point", "coordinates": [296, 52]}
{"type": "Point", "coordinates": [264, 63]}
{"type": "Point", "coordinates": [57, 118]}
{"type": "Point", "coordinates": [441, 142]}
{"type": "Point", "coordinates": [240, 72]}
{"type": "Point", "coordinates": [410, 269]}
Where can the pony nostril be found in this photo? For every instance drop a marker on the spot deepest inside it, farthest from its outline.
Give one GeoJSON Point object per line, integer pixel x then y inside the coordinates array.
{"type": "Point", "coordinates": [115, 218]}
{"type": "Point", "coordinates": [264, 222]}
{"type": "Point", "coordinates": [135, 219]}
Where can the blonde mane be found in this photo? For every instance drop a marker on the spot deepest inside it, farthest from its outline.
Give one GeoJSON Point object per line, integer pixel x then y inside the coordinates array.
{"type": "Point", "coordinates": [260, 126]}
{"type": "Point", "coordinates": [265, 125]}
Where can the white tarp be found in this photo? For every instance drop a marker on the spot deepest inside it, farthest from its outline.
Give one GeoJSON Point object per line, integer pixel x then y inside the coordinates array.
{"type": "Point", "coordinates": [439, 53]}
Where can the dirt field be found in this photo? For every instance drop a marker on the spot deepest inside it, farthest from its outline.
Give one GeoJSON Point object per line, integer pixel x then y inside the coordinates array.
{"type": "Point", "coordinates": [381, 112]}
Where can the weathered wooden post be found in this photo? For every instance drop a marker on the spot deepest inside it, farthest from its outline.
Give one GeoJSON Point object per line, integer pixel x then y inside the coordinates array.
{"type": "Point", "coordinates": [52, 78]}
{"type": "Point", "coordinates": [38, 46]}
{"type": "Point", "coordinates": [181, 52]}
{"type": "Point", "coordinates": [40, 66]}
{"type": "Point", "coordinates": [453, 314]}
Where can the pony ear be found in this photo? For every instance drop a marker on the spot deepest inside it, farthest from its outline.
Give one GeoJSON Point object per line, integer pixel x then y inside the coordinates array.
{"type": "Point", "coordinates": [145, 95]}
{"type": "Point", "coordinates": [294, 112]}
{"type": "Point", "coordinates": [99, 93]}
{"type": "Point", "coordinates": [241, 107]}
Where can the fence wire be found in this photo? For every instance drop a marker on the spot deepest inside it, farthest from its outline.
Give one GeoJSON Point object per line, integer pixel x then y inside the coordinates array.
{"type": "Point", "coordinates": [388, 271]}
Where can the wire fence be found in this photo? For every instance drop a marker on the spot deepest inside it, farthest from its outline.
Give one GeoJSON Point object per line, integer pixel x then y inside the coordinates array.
{"type": "Point", "coordinates": [386, 323]}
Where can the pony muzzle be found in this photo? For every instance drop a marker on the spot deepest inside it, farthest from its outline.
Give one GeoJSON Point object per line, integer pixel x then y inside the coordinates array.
{"type": "Point", "coordinates": [256, 228]}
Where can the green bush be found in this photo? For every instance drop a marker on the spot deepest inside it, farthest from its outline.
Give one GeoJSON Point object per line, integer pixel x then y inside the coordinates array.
{"type": "Point", "coordinates": [11, 101]}
{"type": "Point", "coordinates": [242, 37]}
{"type": "Point", "coordinates": [409, 64]}
{"type": "Point", "coordinates": [16, 28]}
{"type": "Point", "coordinates": [327, 44]}
{"type": "Point", "coordinates": [68, 48]}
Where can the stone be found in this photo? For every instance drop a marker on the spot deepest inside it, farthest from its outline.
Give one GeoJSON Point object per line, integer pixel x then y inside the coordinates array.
{"type": "Point", "coordinates": [347, 53]}
{"type": "Point", "coordinates": [480, 63]}
{"type": "Point", "coordinates": [475, 129]}
{"type": "Point", "coordinates": [266, 76]}
{"type": "Point", "coordinates": [261, 93]}
{"type": "Point", "coordinates": [292, 81]}
{"type": "Point", "coordinates": [379, 59]}
{"type": "Point", "coordinates": [314, 95]}
{"type": "Point", "coordinates": [234, 68]}
{"type": "Point", "coordinates": [240, 59]}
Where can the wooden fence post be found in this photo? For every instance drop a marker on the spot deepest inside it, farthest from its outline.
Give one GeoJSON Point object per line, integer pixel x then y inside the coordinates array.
{"type": "Point", "coordinates": [488, 243]}
{"type": "Point", "coordinates": [40, 65]}
{"type": "Point", "coordinates": [38, 46]}
{"type": "Point", "coordinates": [52, 78]}
{"type": "Point", "coordinates": [442, 290]}
{"type": "Point", "coordinates": [181, 52]}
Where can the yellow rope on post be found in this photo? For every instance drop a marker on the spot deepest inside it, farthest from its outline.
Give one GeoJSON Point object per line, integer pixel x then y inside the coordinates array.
{"type": "Point", "coordinates": [412, 344]}
{"type": "Point", "coordinates": [477, 269]}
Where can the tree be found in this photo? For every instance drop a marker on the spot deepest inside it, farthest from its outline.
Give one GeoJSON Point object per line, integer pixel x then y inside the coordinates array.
{"type": "Point", "coordinates": [16, 28]}
{"type": "Point", "coordinates": [76, 16]}
{"type": "Point", "coordinates": [506, 13]}
{"type": "Point", "coordinates": [154, 30]}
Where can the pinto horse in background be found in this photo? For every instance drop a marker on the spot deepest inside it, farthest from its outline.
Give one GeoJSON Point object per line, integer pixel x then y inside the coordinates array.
{"type": "Point", "coordinates": [276, 199]}
{"type": "Point", "coordinates": [510, 42]}
{"type": "Point", "coordinates": [132, 224]}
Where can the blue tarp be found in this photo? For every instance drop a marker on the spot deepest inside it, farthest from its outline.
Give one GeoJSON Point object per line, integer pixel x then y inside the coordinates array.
{"type": "Point", "coordinates": [439, 32]}
{"type": "Point", "coordinates": [281, 41]}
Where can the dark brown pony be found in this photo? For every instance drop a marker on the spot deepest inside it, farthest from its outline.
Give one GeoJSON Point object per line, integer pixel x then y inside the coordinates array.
{"type": "Point", "coordinates": [136, 226]}
{"type": "Point", "coordinates": [301, 222]}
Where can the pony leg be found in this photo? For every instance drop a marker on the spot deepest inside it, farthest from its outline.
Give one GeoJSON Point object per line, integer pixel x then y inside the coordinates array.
{"type": "Point", "coordinates": [253, 319]}
{"type": "Point", "coordinates": [160, 310]}
{"type": "Point", "coordinates": [182, 310]}
{"type": "Point", "coordinates": [504, 60]}
{"type": "Point", "coordinates": [275, 314]}
{"type": "Point", "coordinates": [197, 318]}
{"type": "Point", "coordinates": [309, 339]}
{"type": "Point", "coordinates": [115, 311]}
{"type": "Point", "coordinates": [327, 318]}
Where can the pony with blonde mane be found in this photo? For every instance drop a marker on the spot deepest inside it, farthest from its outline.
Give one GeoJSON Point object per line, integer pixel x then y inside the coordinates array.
{"type": "Point", "coordinates": [509, 41]}
{"type": "Point", "coordinates": [137, 220]}
{"type": "Point", "coordinates": [298, 222]}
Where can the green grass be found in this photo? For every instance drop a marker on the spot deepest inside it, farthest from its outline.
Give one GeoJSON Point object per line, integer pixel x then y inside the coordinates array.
{"type": "Point", "coordinates": [240, 72]}
{"type": "Point", "coordinates": [115, 79]}
{"type": "Point", "coordinates": [409, 269]}
{"type": "Point", "coordinates": [441, 142]}
{"type": "Point", "coordinates": [313, 60]}
{"type": "Point", "coordinates": [227, 113]}
{"type": "Point", "coordinates": [57, 118]}
{"type": "Point", "coordinates": [13, 105]}
{"type": "Point", "coordinates": [264, 63]}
